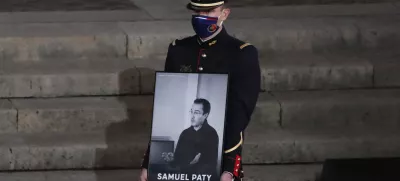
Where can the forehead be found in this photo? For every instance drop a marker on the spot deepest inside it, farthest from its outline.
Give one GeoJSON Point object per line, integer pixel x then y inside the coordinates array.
{"type": "Point", "coordinates": [197, 107]}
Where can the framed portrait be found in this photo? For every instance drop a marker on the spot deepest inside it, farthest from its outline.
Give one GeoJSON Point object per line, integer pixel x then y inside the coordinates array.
{"type": "Point", "coordinates": [187, 131]}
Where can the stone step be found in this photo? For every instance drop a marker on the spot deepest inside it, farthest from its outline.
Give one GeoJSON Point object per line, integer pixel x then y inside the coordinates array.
{"type": "Point", "coordinates": [80, 114]}
{"type": "Point", "coordinates": [317, 146]}
{"type": "Point", "coordinates": [328, 110]}
{"type": "Point", "coordinates": [116, 150]}
{"type": "Point", "coordinates": [70, 78]}
{"type": "Point", "coordinates": [252, 173]}
{"type": "Point", "coordinates": [8, 117]}
{"type": "Point", "coordinates": [280, 71]}
{"type": "Point", "coordinates": [41, 41]}
{"type": "Point", "coordinates": [159, 10]}
{"type": "Point", "coordinates": [318, 71]}
{"type": "Point", "coordinates": [299, 2]}
{"type": "Point", "coordinates": [70, 151]}
{"type": "Point", "coordinates": [112, 5]}
{"type": "Point", "coordinates": [302, 110]}
{"type": "Point", "coordinates": [385, 65]}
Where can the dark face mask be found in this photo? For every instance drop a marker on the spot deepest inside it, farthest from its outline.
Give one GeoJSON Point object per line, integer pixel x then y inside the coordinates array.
{"type": "Point", "coordinates": [204, 26]}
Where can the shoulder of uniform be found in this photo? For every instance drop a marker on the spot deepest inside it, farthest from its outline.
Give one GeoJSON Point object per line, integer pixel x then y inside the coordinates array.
{"type": "Point", "coordinates": [181, 41]}
{"type": "Point", "coordinates": [241, 44]}
{"type": "Point", "coordinates": [247, 48]}
{"type": "Point", "coordinates": [244, 45]}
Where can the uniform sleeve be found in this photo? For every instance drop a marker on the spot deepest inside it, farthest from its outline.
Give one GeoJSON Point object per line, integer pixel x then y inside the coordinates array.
{"type": "Point", "coordinates": [168, 68]}
{"type": "Point", "coordinates": [244, 92]}
{"type": "Point", "coordinates": [168, 61]}
{"type": "Point", "coordinates": [145, 159]}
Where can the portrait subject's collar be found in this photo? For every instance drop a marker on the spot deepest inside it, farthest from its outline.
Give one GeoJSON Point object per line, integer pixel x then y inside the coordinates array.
{"type": "Point", "coordinates": [205, 123]}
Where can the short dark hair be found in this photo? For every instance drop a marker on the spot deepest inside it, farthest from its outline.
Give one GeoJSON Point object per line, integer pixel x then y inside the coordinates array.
{"type": "Point", "coordinates": [206, 104]}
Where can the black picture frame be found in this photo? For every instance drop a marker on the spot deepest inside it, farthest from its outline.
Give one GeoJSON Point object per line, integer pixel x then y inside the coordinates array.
{"type": "Point", "coordinates": [213, 87]}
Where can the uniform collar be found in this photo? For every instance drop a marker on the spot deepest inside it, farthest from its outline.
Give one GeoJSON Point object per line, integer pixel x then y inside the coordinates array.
{"type": "Point", "coordinates": [213, 41]}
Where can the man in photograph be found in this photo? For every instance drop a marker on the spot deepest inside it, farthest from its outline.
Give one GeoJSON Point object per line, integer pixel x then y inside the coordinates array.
{"type": "Point", "coordinates": [213, 50]}
{"type": "Point", "coordinates": [197, 147]}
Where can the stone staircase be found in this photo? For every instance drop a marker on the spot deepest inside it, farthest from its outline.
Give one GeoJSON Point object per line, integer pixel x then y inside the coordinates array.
{"type": "Point", "coordinates": [76, 97]}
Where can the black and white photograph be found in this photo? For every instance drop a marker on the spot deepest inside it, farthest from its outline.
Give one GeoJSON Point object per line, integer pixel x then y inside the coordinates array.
{"type": "Point", "coordinates": [188, 126]}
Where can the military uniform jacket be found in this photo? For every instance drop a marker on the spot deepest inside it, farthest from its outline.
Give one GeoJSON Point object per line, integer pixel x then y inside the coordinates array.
{"type": "Point", "coordinates": [223, 54]}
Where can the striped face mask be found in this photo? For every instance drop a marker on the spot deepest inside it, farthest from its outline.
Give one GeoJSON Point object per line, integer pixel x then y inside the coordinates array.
{"type": "Point", "coordinates": [204, 26]}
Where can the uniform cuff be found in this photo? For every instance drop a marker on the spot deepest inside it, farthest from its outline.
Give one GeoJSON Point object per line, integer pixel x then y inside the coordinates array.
{"type": "Point", "coordinates": [233, 165]}
{"type": "Point", "coordinates": [229, 173]}
{"type": "Point", "coordinates": [145, 159]}
{"type": "Point", "coordinates": [145, 165]}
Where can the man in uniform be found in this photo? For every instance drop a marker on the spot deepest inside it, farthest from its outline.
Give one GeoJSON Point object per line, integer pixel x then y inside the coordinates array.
{"type": "Point", "coordinates": [213, 50]}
